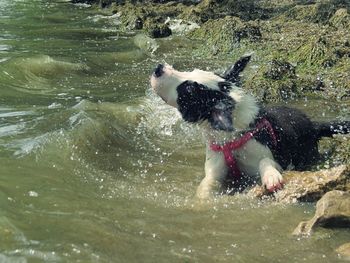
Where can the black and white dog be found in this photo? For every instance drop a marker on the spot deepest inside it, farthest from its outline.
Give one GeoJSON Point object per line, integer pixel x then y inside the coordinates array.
{"type": "Point", "coordinates": [244, 139]}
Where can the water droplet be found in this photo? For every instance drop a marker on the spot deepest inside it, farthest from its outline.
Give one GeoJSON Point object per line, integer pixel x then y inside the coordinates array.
{"type": "Point", "coordinates": [33, 194]}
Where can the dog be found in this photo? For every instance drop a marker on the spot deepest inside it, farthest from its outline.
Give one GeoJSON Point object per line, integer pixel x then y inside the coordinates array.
{"type": "Point", "coordinates": [245, 140]}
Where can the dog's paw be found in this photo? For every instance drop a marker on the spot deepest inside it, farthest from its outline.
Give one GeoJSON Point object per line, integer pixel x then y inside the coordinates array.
{"type": "Point", "coordinates": [207, 189]}
{"type": "Point", "coordinates": [272, 180]}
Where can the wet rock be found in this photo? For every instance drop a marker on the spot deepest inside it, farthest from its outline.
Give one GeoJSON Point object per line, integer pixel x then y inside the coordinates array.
{"type": "Point", "coordinates": [332, 210]}
{"type": "Point", "coordinates": [180, 26]}
{"type": "Point", "coordinates": [279, 69]}
{"type": "Point", "coordinates": [217, 9]}
{"type": "Point", "coordinates": [223, 36]}
{"type": "Point", "coordinates": [159, 31]}
{"type": "Point", "coordinates": [344, 251]}
{"type": "Point", "coordinates": [336, 150]}
{"type": "Point", "coordinates": [341, 19]}
{"type": "Point", "coordinates": [138, 23]}
{"type": "Point", "coordinates": [316, 52]}
{"type": "Point", "coordinates": [319, 12]}
{"type": "Point", "coordinates": [309, 186]}
{"type": "Point", "coordinates": [312, 35]}
{"type": "Point", "coordinates": [146, 15]}
{"type": "Point", "coordinates": [85, 1]}
{"type": "Point", "coordinates": [102, 3]}
{"type": "Point", "coordinates": [275, 81]}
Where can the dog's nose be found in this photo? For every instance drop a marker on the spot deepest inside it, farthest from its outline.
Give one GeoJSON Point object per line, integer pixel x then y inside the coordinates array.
{"type": "Point", "coordinates": [158, 71]}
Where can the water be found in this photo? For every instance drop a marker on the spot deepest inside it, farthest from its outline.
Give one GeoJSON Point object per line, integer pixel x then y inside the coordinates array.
{"type": "Point", "coordinates": [95, 168]}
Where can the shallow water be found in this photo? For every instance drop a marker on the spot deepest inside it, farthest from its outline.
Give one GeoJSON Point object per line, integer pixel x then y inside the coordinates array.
{"type": "Point", "coordinates": [95, 168]}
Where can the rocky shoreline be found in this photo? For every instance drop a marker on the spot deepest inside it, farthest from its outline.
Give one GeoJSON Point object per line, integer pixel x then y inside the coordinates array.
{"type": "Point", "coordinates": [301, 49]}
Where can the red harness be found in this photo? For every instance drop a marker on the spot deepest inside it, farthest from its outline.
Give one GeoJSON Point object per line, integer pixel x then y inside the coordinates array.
{"type": "Point", "coordinates": [228, 148]}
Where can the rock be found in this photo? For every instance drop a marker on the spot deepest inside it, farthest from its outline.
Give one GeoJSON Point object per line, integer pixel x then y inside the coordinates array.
{"type": "Point", "coordinates": [102, 3]}
{"type": "Point", "coordinates": [336, 150]}
{"type": "Point", "coordinates": [138, 23]}
{"type": "Point", "coordinates": [344, 251]}
{"type": "Point", "coordinates": [332, 210]}
{"type": "Point", "coordinates": [279, 69]}
{"type": "Point", "coordinates": [309, 186]}
{"type": "Point", "coordinates": [316, 52]}
{"type": "Point", "coordinates": [275, 81]}
{"type": "Point", "coordinates": [180, 26]}
{"type": "Point", "coordinates": [147, 16]}
{"type": "Point", "coordinates": [232, 31]}
{"type": "Point", "coordinates": [341, 19]}
{"type": "Point", "coordinates": [216, 9]}
{"type": "Point", "coordinates": [159, 31]}
{"type": "Point", "coordinates": [85, 1]}
{"type": "Point", "coordinates": [321, 12]}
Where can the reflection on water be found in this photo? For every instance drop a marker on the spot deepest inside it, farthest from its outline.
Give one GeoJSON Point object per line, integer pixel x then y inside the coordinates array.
{"type": "Point", "coordinates": [95, 168]}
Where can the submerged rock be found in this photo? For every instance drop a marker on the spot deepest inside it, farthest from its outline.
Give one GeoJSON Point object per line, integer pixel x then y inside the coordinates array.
{"type": "Point", "coordinates": [309, 186]}
{"type": "Point", "coordinates": [344, 251]}
{"type": "Point", "coordinates": [145, 43]}
{"type": "Point", "coordinates": [332, 210]}
{"type": "Point", "coordinates": [44, 66]}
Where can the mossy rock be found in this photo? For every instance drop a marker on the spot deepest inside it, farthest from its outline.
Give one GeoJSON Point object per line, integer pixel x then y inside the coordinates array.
{"type": "Point", "coordinates": [222, 36]}
{"type": "Point", "coordinates": [316, 52]}
{"type": "Point", "coordinates": [102, 3]}
{"type": "Point", "coordinates": [159, 31]}
{"type": "Point", "coordinates": [319, 12]}
{"type": "Point", "coordinates": [277, 81]}
{"type": "Point", "coordinates": [217, 9]}
{"type": "Point", "coordinates": [341, 19]}
{"type": "Point", "coordinates": [279, 69]}
{"type": "Point", "coordinates": [267, 90]}
{"type": "Point", "coordinates": [336, 150]}
{"type": "Point", "coordinates": [301, 13]}
{"type": "Point", "coordinates": [146, 15]}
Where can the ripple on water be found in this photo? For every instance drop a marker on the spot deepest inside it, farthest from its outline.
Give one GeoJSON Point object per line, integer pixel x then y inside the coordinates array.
{"type": "Point", "coordinates": [5, 47]}
{"type": "Point", "coordinates": [9, 130]}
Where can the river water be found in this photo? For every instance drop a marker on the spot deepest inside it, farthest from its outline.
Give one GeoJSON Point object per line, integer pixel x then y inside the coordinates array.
{"type": "Point", "coordinates": [95, 168]}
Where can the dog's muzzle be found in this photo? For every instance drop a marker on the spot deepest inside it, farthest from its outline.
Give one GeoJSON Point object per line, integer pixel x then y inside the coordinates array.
{"type": "Point", "coordinates": [159, 70]}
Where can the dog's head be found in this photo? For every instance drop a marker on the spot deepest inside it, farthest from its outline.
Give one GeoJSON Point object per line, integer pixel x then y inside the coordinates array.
{"type": "Point", "coordinates": [199, 95]}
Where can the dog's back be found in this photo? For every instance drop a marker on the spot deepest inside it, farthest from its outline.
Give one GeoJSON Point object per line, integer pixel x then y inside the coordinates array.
{"type": "Point", "coordinates": [297, 136]}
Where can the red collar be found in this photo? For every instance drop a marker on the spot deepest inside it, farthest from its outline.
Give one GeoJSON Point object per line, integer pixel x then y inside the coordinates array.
{"type": "Point", "coordinates": [228, 148]}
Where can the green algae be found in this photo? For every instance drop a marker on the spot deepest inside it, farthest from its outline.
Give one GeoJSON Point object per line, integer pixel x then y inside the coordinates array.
{"type": "Point", "coordinates": [335, 151]}
{"type": "Point", "coordinates": [149, 15]}
{"type": "Point", "coordinates": [224, 36]}
{"type": "Point", "coordinates": [312, 36]}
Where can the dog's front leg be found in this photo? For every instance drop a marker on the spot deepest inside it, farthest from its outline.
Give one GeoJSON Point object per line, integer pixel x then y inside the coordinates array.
{"type": "Point", "coordinates": [215, 174]}
{"type": "Point", "coordinates": [270, 172]}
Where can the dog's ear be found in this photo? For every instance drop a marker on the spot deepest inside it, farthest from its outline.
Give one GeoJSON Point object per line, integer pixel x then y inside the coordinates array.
{"type": "Point", "coordinates": [196, 102]}
{"type": "Point", "coordinates": [232, 73]}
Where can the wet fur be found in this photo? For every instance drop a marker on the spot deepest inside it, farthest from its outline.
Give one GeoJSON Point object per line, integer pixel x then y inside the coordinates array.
{"type": "Point", "coordinates": [225, 111]}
